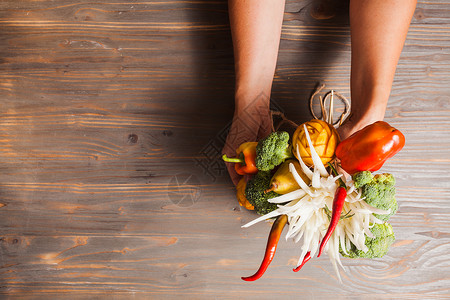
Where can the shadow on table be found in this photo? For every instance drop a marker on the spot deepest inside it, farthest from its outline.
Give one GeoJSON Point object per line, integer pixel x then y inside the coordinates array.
{"type": "Point", "coordinates": [309, 28]}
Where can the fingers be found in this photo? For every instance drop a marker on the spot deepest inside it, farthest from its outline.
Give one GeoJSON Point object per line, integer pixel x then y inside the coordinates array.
{"type": "Point", "coordinates": [344, 131]}
{"type": "Point", "coordinates": [348, 128]}
{"type": "Point", "coordinates": [235, 177]}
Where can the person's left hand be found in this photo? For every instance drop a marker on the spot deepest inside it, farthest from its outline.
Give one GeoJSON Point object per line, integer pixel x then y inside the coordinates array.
{"type": "Point", "coordinates": [249, 126]}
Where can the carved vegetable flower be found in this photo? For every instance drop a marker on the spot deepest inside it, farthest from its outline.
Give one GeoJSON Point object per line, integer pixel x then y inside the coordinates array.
{"type": "Point", "coordinates": [323, 136]}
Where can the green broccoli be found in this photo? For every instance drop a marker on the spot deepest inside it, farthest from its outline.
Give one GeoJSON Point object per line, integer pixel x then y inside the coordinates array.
{"type": "Point", "coordinates": [362, 178]}
{"type": "Point", "coordinates": [254, 192]}
{"type": "Point", "coordinates": [378, 191]}
{"type": "Point", "coordinates": [378, 245]}
{"type": "Point", "coordinates": [273, 150]}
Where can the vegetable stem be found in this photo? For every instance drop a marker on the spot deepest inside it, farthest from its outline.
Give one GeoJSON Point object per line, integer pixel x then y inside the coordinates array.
{"type": "Point", "coordinates": [233, 159]}
{"type": "Point", "coordinates": [341, 182]}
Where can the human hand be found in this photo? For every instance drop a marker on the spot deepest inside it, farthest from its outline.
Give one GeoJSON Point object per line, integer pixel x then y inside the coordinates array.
{"type": "Point", "coordinates": [347, 129]}
{"type": "Point", "coordinates": [249, 125]}
{"type": "Point", "coordinates": [352, 125]}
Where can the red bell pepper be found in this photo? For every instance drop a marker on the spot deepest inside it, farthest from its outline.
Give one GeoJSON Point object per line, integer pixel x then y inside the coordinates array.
{"type": "Point", "coordinates": [368, 148]}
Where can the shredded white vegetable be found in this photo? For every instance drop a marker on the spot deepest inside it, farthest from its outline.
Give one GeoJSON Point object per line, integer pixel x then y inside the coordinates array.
{"type": "Point", "coordinates": [297, 194]}
{"type": "Point", "coordinates": [309, 211]}
{"type": "Point", "coordinates": [314, 156]}
{"type": "Point", "coordinates": [304, 167]}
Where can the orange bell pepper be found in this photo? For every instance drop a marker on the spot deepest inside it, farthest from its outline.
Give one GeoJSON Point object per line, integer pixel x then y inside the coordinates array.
{"type": "Point", "coordinates": [245, 160]}
{"type": "Point", "coordinates": [369, 148]}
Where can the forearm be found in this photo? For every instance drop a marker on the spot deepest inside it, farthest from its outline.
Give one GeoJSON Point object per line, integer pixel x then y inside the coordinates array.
{"type": "Point", "coordinates": [256, 31]}
{"type": "Point", "coordinates": [378, 32]}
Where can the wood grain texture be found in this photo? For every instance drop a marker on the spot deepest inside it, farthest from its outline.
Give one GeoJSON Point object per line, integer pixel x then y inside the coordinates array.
{"type": "Point", "coordinates": [112, 115]}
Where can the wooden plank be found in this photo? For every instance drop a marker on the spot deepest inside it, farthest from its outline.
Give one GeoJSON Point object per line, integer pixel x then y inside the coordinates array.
{"type": "Point", "coordinates": [106, 105]}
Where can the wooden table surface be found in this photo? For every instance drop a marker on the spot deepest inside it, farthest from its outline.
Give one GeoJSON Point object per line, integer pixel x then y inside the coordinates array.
{"type": "Point", "coordinates": [113, 114]}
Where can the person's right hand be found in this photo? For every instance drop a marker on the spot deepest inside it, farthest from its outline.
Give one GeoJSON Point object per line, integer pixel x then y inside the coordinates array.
{"type": "Point", "coordinates": [249, 125]}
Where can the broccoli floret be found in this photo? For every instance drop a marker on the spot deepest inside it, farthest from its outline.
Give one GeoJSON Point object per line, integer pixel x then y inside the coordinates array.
{"type": "Point", "coordinates": [378, 245]}
{"type": "Point", "coordinates": [254, 192]}
{"type": "Point", "coordinates": [273, 150]}
{"type": "Point", "coordinates": [362, 178]}
{"type": "Point", "coordinates": [378, 191]}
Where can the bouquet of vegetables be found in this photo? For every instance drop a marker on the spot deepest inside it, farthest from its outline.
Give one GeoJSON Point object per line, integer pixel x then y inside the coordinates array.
{"type": "Point", "coordinates": [296, 181]}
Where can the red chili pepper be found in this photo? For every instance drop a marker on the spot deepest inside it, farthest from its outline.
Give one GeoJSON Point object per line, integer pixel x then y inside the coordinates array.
{"type": "Point", "coordinates": [338, 204]}
{"type": "Point", "coordinates": [245, 162]}
{"type": "Point", "coordinates": [271, 247]}
{"type": "Point", "coordinates": [305, 260]}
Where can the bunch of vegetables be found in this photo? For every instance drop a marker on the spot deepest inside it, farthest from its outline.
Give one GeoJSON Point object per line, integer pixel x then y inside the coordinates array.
{"type": "Point", "coordinates": [296, 182]}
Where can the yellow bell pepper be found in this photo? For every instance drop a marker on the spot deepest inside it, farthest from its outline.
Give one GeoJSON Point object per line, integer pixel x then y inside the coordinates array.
{"type": "Point", "coordinates": [240, 194]}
